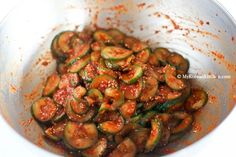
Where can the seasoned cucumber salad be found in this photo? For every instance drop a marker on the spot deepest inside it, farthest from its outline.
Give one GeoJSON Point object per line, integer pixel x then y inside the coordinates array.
{"type": "Point", "coordinates": [113, 95]}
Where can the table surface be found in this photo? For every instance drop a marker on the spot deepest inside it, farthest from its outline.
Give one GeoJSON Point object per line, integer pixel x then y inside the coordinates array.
{"type": "Point", "coordinates": [222, 139]}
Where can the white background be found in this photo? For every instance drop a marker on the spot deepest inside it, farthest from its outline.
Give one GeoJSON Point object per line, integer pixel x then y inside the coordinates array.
{"type": "Point", "coordinates": [222, 142]}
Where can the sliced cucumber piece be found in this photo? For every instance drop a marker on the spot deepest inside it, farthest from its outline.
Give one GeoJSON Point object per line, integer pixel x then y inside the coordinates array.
{"type": "Point", "coordinates": [63, 41]}
{"type": "Point", "coordinates": [125, 132]}
{"type": "Point", "coordinates": [79, 106]}
{"type": "Point", "coordinates": [44, 109]}
{"type": "Point", "coordinates": [80, 136]}
{"type": "Point", "coordinates": [102, 82]}
{"type": "Point", "coordinates": [55, 132]}
{"type": "Point", "coordinates": [89, 72]}
{"type": "Point", "coordinates": [154, 136]}
{"type": "Point", "coordinates": [184, 125]}
{"type": "Point", "coordinates": [79, 118]}
{"type": "Point", "coordinates": [185, 94]}
{"type": "Point", "coordinates": [60, 114]}
{"type": "Point", "coordinates": [106, 107]}
{"type": "Point", "coordinates": [171, 80]}
{"type": "Point", "coordinates": [68, 80]}
{"type": "Point", "coordinates": [97, 150]}
{"type": "Point", "coordinates": [143, 55]}
{"type": "Point", "coordinates": [126, 148]}
{"type": "Point", "coordinates": [51, 85]}
{"type": "Point", "coordinates": [139, 137]}
{"type": "Point", "coordinates": [128, 109]}
{"type": "Point", "coordinates": [61, 68]}
{"type": "Point", "coordinates": [97, 46]}
{"type": "Point", "coordinates": [162, 55]}
{"type": "Point", "coordinates": [81, 50]}
{"type": "Point", "coordinates": [56, 50]}
{"type": "Point", "coordinates": [61, 95]}
{"type": "Point", "coordinates": [132, 91]}
{"type": "Point", "coordinates": [79, 92]}
{"type": "Point", "coordinates": [117, 36]}
{"type": "Point", "coordinates": [147, 118]}
{"type": "Point", "coordinates": [149, 105]}
{"type": "Point", "coordinates": [180, 63]}
{"type": "Point", "coordinates": [112, 127]}
{"type": "Point", "coordinates": [136, 118]}
{"type": "Point", "coordinates": [95, 94]}
{"type": "Point", "coordinates": [106, 113]}
{"type": "Point", "coordinates": [116, 96]}
{"type": "Point", "coordinates": [79, 64]}
{"type": "Point", "coordinates": [153, 60]}
{"type": "Point", "coordinates": [115, 53]}
{"type": "Point", "coordinates": [139, 46]}
{"type": "Point", "coordinates": [196, 100]}
{"type": "Point", "coordinates": [95, 56]}
{"type": "Point", "coordinates": [133, 74]}
{"type": "Point", "coordinates": [149, 89]}
{"type": "Point", "coordinates": [119, 64]}
{"type": "Point", "coordinates": [102, 36]}
{"type": "Point", "coordinates": [129, 42]}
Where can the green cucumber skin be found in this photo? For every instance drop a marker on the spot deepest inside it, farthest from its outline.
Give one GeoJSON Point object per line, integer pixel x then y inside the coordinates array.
{"type": "Point", "coordinates": [107, 53]}
{"type": "Point", "coordinates": [138, 72]}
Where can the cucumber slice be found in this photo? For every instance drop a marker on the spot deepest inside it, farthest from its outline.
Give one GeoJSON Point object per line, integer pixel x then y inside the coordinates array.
{"type": "Point", "coordinates": [63, 41]}
{"type": "Point", "coordinates": [56, 50]}
{"type": "Point", "coordinates": [133, 74]}
{"type": "Point", "coordinates": [153, 60]}
{"type": "Point", "coordinates": [102, 36]}
{"type": "Point", "coordinates": [106, 107]}
{"type": "Point", "coordinates": [165, 136]}
{"type": "Point", "coordinates": [61, 68]}
{"type": "Point", "coordinates": [79, 64]}
{"type": "Point", "coordinates": [185, 94]}
{"type": "Point", "coordinates": [128, 109]}
{"type": "Point", "coordinates": [79, 106]}
{"type": "Point", "coordinates": [51, 85]}
{"type": "Point", "coordinates": [154, 136]}
{"type": "Point", "coordinates": [116, 96]}
{"type": "Point", "coordinates": [102, 82]}
{"type": "Point", "coordinates": [129, 42]}
{"type": "Point", "coordinates": [68, 80]}
{"type": "Point", "coordinates": [112, 127]}
{"type": "Point", "coordinates": [79, 92]}
{"type": "Point", "coordinates": [61, 95]}
{"type": "Point", "coordinates": [89, 72]}
{"type": "Point", "coordinates": [171, 80]}
{"type": "Point", "coordinates": [136, 119]}
{"type": "Point", "coordinates": [119, 64]}
{"type": "Point", "coordinates": [60, 114]}
{"type": "Point", "coordinates": [196, 100]}
{"type": "Point", "coordinates": [117, 36]}
{"type": "Point", "coordinates": [143, 55]}
{"type": "Point", "coordinates": [97, 46]}
{"type": "Point", "coordinates": [106, 113]}
{"type": "Point", "coordinates": [97, 150]}
{"type": "Point", "coordinates": [126, 148]}
{"type": "Point", "coordinates": [95, 94]}
{"type": "Point", "coordinates": [180, 63]}
{"type": "Point", "coordinates": [149, 89]}
{"type": "Point", "coordinates": [132, 91]}
{"type": "Point", "coordinates": [55, 132]}
{"type": "Point", "coordinates": [126, 131]}
{"type": "Point", "coordinates": [115, 53]}
{"type": "Point", "coordinates": [184, 125]}
{"type": "Point", "coordinates": [80, 136]}
{"type": "Point", "coordinates": [95, 56]}
{"type": "Point", "coordinates": [162, 55]}
{"type": "Point", "coordinates": [139, 46]}
{"type": "Point", "coordinates": [139, 137]}
{"type": "Point", "coordinates": [81, 50]}
{"type": "Point", "coordinates": [149, 105]}
{"type": "Point", "coordinates": [147, 118]}
{"type": "Point", "coordinates": [44, 109]}
{"type": "Point", "coordinates": [79, 118]}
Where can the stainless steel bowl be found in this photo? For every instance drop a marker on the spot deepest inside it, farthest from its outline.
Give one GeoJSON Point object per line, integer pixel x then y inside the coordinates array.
{"type": "Point", "coordinates": [198, 29]}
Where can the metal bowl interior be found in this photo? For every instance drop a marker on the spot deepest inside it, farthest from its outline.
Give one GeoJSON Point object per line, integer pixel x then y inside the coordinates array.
{"type": "Point", "coordinates": [201, 31]}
